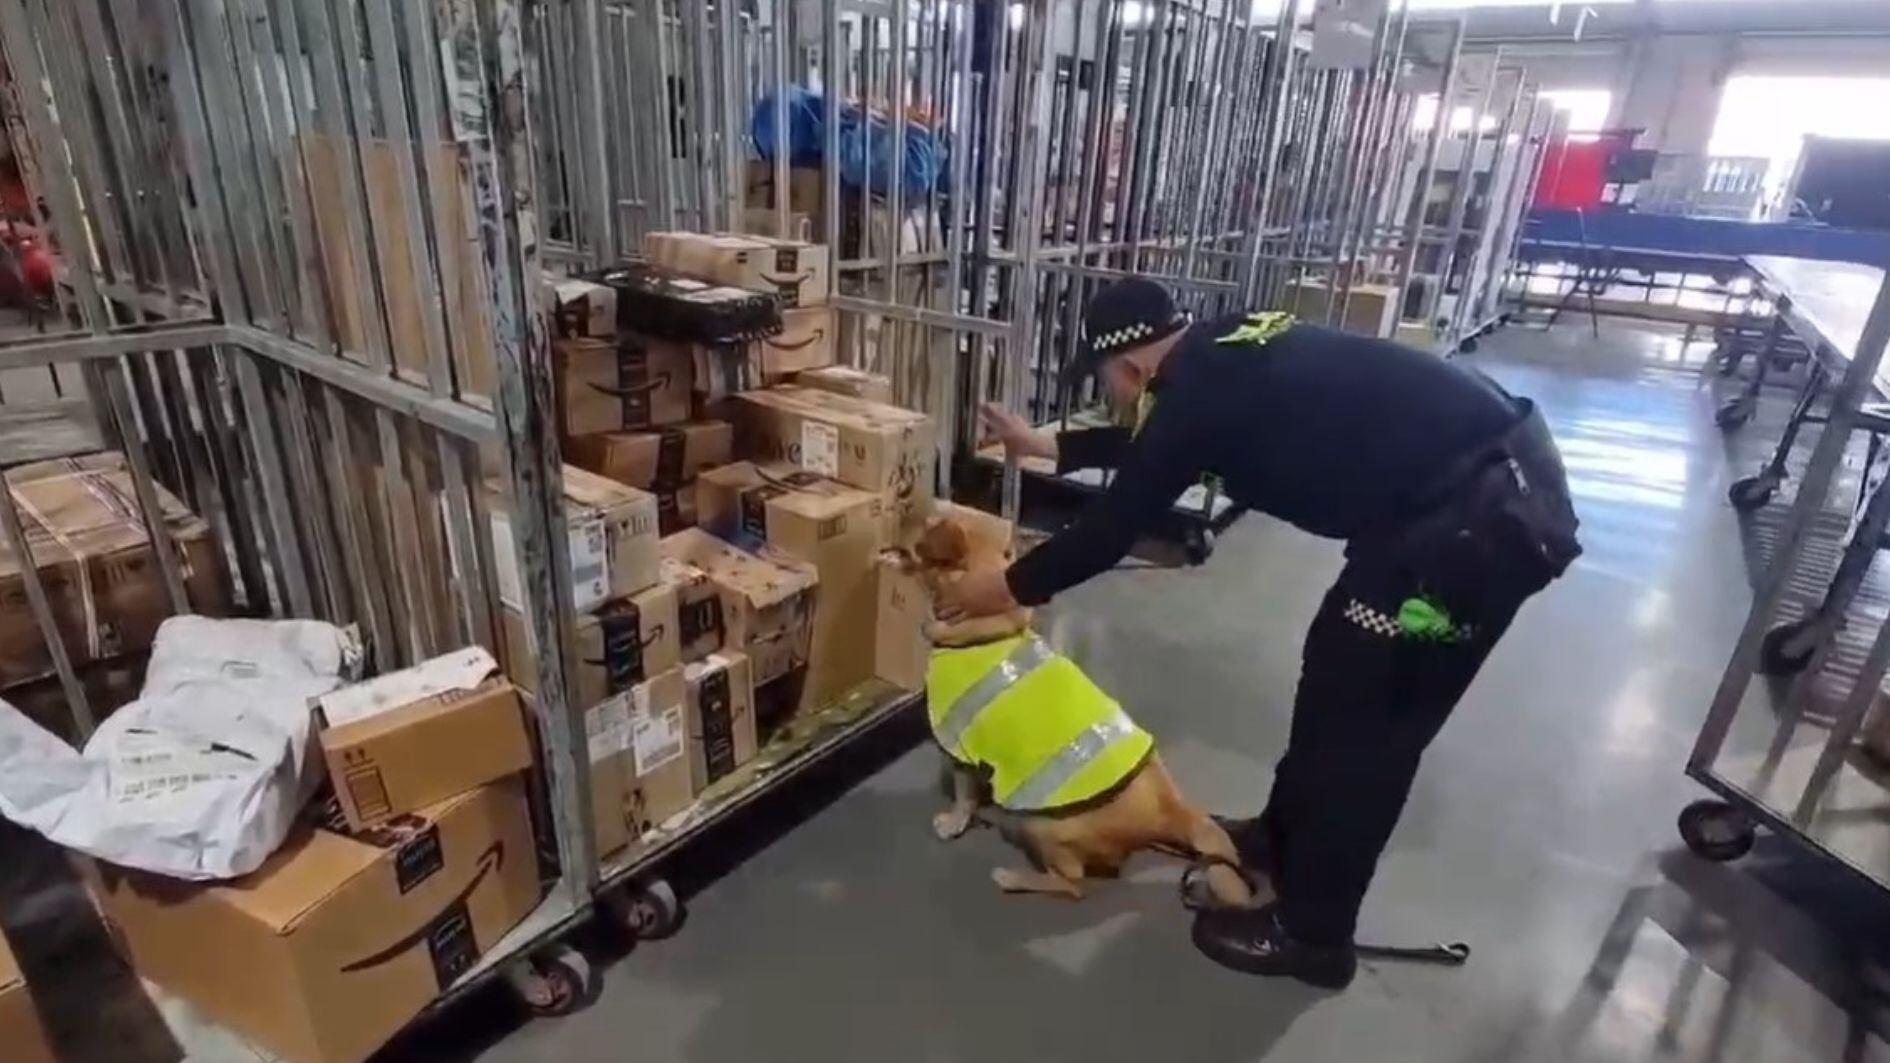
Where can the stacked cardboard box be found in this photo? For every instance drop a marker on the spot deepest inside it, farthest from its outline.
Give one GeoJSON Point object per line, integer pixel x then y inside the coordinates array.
{"type": "Point", "coordinates": [837, 529]}
{"type": "Point", "coordinates": [765, 601]}
{"type": "Point", "coordinates": [338, 940]}
{"type": "Point", "coordinates": [869, 445]}
{"type": "Point", "coordinates": [845, 380]}
{"type": "Point", "coordinates": [613, 539]}
{"type": "Point", "coordinates": [663, 460]}
{"type": "Point", "coordinates": [94, 559]}
{"type": "Point", "coordinates": [798, 273]}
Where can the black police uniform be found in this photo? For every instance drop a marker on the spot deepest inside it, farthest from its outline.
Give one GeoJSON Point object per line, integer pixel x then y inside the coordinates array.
{"type": "Point", "coordinates": [1447, 490]}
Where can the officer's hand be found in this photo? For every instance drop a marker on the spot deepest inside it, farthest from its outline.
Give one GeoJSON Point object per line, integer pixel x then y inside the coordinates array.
{"type": "Point", "coordinates": [979, 592]}
{"type": "Point", "coordinates": [1018, 437]}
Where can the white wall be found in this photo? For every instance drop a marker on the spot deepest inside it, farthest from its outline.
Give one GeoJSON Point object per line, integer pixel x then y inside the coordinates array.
{"type": "Point", "coordinates": [1669, 83]}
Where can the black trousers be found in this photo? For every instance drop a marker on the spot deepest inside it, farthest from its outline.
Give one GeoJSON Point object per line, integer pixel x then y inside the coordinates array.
{"type": "Point", "coordinates": [1369, 703]}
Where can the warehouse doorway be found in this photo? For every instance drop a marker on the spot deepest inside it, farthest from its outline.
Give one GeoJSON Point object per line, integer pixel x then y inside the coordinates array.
{"type": "Point", "coordinates": [1770, 116]}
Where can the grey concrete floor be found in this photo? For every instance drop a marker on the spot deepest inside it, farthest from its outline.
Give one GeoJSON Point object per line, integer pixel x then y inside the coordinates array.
{"type": "Point", "coordinates": [1540, 831]}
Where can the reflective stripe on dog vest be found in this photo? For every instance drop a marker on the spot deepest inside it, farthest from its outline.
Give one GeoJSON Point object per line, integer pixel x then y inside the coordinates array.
{"type": "Point", "coordinates": [1030, 654]}
{"type": "Point", "coordinates": [1027, 716]}
{"type": "Point", "coordinates": [1059, 771]}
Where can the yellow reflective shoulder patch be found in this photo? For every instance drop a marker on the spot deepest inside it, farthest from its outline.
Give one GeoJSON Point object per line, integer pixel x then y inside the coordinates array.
{"type": "Point", "coordinates": [1259, 328]}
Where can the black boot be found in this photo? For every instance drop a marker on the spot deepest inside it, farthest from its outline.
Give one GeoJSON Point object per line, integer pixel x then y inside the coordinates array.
{"type": "Point", "coordinates": [1251, 842]}
{"type": "Point", "coordinates": [1255, 942]}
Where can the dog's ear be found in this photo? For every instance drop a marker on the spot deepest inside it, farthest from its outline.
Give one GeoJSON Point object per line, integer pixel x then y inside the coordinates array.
{"type": "Point", "coordinates": [943, 544]}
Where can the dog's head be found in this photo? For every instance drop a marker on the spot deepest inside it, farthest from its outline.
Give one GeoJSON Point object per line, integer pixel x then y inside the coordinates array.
{"type": "Point", "coordinates": [950, 545]}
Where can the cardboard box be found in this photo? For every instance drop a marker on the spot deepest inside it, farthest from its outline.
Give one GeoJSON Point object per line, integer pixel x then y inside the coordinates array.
{"type": "Point", "coordinates": [699, 624]}
{"type": "Point", "coordinates": [833, 527]}
{"type": "Point", "coordinates": [722, 370]}
{"type": "Point", "coordinates": [767, 603]}
{"type": "Point", "coordinates": [761, 220]}
{"type": "Point", "coordinates": [846, 380]}
{"type": "Point", "coordinates": [661, 769]}
{"type": "Point", "coordinates": [623, 643]}
{"type": "Point", "coordinates": [800, 273]}
{"type": "Point", "coordinates": [583, 309]}
{"type": "Point", "coordinates": [402, 741]}
{"type": "Point", "coordinates": [900, 648]}
{"type": "Point", "coordinates": [656, 458]}
{"type": "Point", "coordinates": [606, 385]}
{"type": "Point", "coordinates": [721, 714]}
{"type": "Point", "coordinates": [82, 525]}
{"type": "Point", "coordinates": [614, 536]}
{"type": "Point", "coordinates": [640, 771]}
{"type": "Point", "coordinates": [337, 942]}
{"type": "Point", "coordinates": [21, 1035]}
{"type": "Point", "coordinates": [866, 444]}
{"type": "Point", "coordinates": [676, 508]}
{"type": "Point", "coordinates": [1370, 309]}
{"type": "Point", "coordinates": [807, 340]}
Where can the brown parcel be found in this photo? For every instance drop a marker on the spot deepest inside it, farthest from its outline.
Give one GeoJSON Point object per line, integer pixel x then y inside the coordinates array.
{"type": "Point", "coordinates": [880, 448]}
{"type": "Point", "coordinates": [623, 643]}
{"type": "Point", "coordinates": [800, 273]}
{"type": "Point", "coordinates": [846, 380]}
{"type": "Point", "coordinates": [22, 1037]}
{"type": "Point", "coordinates": [584, 309]}
{"type": "Point", "coordinates": [900, 649]}
{"type": "Point", "coordinates": [337, 942]}
{"type": "Point", "coordinates": [82, 524]}
{"type": "Point", "coordinates": [833, 527]}
{"type": "Point", "coordinates": [613, 529]}
{"type": "Point", "coordinates": [401, 742]}
{"type": "Point", "coordinates": [767, 602]}
{"type": "Point", "coordinates": [656, 458]}
{"type": "Point", "coordinates": [721, 700]}
{"type": "Point", "coordinates": [698, 609]}
{"type": "Point", "coordinates": [676, 508]}
{"type": "Point", "coordinates": [605, 385]}
{"type": "Point", "coordinates": [639, 773]}
{"type": "Point", "coordinates": [806, 341]}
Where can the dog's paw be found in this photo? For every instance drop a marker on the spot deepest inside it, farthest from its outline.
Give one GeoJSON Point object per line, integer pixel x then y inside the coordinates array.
{"type": "Point", "coordinates": [950, 824]}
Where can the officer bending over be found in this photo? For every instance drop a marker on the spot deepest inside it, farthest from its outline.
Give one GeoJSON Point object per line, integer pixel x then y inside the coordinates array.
{"type": "Point", "coordinates": [1452, 501]}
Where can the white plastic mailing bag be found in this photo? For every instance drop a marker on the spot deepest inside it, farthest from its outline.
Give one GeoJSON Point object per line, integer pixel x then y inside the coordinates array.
{"type": "Point", "coordinates": [202, 776]}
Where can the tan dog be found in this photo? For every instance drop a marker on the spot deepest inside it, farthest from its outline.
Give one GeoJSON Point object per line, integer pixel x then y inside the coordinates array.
{"type": "Point", "coordinates": [1144, 811]}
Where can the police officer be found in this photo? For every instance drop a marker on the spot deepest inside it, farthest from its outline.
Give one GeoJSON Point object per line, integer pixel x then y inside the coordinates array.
{"type": "Point", "coordinates": [1452, 501]}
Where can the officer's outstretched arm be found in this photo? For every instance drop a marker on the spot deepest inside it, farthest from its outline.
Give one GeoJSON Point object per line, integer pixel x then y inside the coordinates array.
{"type": "Point", "coordinates": [1163, 459]}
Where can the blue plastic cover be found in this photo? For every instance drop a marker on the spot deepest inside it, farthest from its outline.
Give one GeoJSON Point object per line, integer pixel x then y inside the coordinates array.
{"type": "Point", "coordinates": [862, 138]}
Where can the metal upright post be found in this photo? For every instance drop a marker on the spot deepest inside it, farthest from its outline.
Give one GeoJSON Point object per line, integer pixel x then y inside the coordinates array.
{"type": "Point", "coordinates": [1031, 145]}
{"type": "Point", "coordinates": [1420, 194]}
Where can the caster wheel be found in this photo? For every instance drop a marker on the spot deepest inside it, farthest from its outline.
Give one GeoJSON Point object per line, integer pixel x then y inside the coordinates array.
{"type": "Point", "coordinates": [1716, 831]}
{"type": "Point", "coordinates": [558, 982]}
{"type": "Point", "coordinates": [650, 912]}
{"type": "Point", "coordinates": [1751, 493]}
{"type": "Point", "coordinates": [1505, 318]}
{"type": "Point", "coordinates": [1787, 649]}
{"type": "Point", "coordinates": [1198, 545]}
{"type": "Point", "coordinates": [1468, 346]}
{"type": "Point", "coordinates": [1734, 414]}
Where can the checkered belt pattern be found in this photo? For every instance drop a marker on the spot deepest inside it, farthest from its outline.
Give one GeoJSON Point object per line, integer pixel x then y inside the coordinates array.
{"type": "Point", "coordinates": [1386, 625]}
{"type": "Point", "coordinates": [1376, 621]}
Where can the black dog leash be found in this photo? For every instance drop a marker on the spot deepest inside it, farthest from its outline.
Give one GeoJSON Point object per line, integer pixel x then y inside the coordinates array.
{"type": "Point", "coordinates": [1195, 898]}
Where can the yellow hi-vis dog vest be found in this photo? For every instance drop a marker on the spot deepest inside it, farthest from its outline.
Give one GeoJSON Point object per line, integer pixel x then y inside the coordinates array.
{"type": "Point", "coordinates": [1049, 737]}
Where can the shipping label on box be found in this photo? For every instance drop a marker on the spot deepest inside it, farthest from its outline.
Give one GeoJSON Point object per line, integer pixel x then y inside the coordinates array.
{"type": "Point", "coordinates": [721, 703]}
{"type": "Point", "coordinates": [662, 775]}
{"type": "Point", "coordinates": [613, 539]}
{"type": "Point", "coordinates": [607, 735]}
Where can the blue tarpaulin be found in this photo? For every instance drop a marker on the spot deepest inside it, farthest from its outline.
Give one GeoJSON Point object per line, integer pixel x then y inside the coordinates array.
{"type": "Point", "coordinates": [863, 137]}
